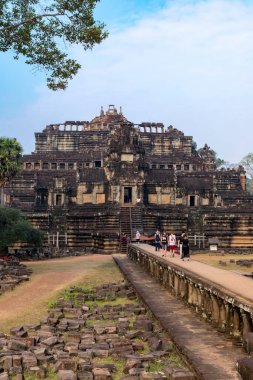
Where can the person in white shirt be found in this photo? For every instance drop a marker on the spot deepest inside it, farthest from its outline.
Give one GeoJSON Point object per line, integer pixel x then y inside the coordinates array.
{"type": "Point", "coordinates": [172, 242]}
{"type": "Point", "coordinates": [137, 237]}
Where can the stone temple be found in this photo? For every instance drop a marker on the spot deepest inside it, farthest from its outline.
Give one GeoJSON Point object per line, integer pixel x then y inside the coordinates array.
{"type": "Point", "coordinates": [89, 182]}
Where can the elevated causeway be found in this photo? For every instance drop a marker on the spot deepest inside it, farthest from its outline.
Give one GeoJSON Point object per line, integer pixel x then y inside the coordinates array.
{"type": "Point", "coordinates": [220, 307]}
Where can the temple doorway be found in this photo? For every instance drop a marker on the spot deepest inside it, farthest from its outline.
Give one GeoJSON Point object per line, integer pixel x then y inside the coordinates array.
{"type": "Point", "coordinates": [127, 194]}
{"type": "Point", "coordinates": [192, 200]}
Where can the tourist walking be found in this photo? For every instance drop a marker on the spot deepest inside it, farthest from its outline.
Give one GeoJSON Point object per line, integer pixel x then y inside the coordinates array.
{"type": "Point", "coordinates": [157, 240]}
{"type": "Point", "coordinates": [185, 248]}
{"type": "Point", "coordinates": [164, 243]}
{"type": "Point", "coordinates": [172, 243]}
{"type": "Point", "coordinates": [180, 244]}
{"type": "Point", "coordinates": [137, 237]}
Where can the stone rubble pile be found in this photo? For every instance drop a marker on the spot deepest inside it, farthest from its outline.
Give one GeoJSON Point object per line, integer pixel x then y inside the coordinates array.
{"type": "Point", "coordinates": [102, 334]}
{"type": "Point", "coordinates": [12, 273]}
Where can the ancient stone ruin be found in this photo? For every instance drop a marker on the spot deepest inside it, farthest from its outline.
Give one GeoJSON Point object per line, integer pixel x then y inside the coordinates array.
{"type": "Point", "coordinates": [12, 273]}
{"type": "Point", "coordinates": [97, 334]}
{"type": "Point", "coordinates": [88, 183]}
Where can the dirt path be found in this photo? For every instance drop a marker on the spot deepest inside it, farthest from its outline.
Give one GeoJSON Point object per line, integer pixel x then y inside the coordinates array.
{"type": "Point", "coordinates": [28, 302]}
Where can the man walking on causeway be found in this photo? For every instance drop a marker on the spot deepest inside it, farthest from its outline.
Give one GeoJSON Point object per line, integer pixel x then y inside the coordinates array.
{"type": "Point", "coordinates": [157, 240]}
{"type": "Point", "coordinates": [172, 243]}
{"type": "Point", "coordinates": [164, 243]}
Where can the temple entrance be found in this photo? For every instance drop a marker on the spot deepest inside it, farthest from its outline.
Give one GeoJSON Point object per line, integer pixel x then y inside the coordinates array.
{"type": "Point", "coordinates": [192, 200]}
{"type": "Point", "coordinates": [127, 195]}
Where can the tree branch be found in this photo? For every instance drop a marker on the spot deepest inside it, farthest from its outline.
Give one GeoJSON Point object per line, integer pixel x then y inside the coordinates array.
{"type": "Point", "coordinates": [28, 20]}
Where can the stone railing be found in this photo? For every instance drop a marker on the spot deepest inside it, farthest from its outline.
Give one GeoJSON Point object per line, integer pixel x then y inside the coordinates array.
{"type": "Point", "coordinates": [228, 312]}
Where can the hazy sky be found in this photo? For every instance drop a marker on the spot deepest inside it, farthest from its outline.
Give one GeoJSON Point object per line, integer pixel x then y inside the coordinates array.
{"type": "Point", "coordinates": [185, 63]}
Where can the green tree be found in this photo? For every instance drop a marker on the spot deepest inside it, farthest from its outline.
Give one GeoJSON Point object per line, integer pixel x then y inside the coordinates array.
{"type": "Point", "coordinates": [42, 31]}
{"type": "Point", "coordinates": [15, 228]}
{"type": "Point", "coordinates": [10, 159]}
{"type": "Point", "coordinates": [247, 163]}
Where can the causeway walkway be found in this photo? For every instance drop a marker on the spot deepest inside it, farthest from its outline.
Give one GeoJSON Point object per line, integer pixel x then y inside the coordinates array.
{"type": "Point", "coordinates": [212, 354]}
{"type": "Point", "coordinates": [234, 283]}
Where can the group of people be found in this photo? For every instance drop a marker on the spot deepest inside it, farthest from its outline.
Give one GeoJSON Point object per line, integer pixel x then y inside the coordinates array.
{"type": "Point", "coordinates": [170, 243]}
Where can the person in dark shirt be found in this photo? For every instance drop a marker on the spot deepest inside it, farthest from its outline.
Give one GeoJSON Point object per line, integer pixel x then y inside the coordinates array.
{"type": "Point", "coordinates": [185, 248]}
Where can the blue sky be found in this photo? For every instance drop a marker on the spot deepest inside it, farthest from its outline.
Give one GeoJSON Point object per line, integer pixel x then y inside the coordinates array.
{"type": "Point", "coordinates": [185, 63]}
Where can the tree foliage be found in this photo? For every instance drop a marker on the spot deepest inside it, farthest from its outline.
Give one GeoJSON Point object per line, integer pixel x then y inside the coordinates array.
{"type": "Point", "coordinates": [15, 228]}
{"type": "Point", "coordinates": [42, 30]}
{"type": "Point", "coordinates": [247, 163]}
{"type": "Point", "coordinates": [10, 158]}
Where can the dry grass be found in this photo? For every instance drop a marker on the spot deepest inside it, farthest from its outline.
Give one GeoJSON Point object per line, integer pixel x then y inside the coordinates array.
{"type": "Point", "coordinates": [213, 260]}
{"type": "Point", "coordinates": [29, 301]}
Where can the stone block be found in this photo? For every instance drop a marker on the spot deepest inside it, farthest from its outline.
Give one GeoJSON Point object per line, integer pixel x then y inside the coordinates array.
{"type": "Point", "coordinates": [17, 345]}
{"type": "Point", "coordinates": [155, 343]}
{"type": "Point", "coordinates": [7, 363]}
{"type": "Point", "coordinates": [73, 337]}
{"type": "Point", "coordinates": [18, 331]}
{"type": "Point", "coordinates": [29, 359]}
{"type": "Point", "coordinates": [248, 341]}
{"type": "Point", "coordinates": [178, 374]}
{"type": "Point", "coordinates": [132, 363]}
{"type": "Point", "coordinates": [66, 375]}
{"type": "Point", "coordinates": [245, 368]}
{"type": "Point", "coordinates": [152, 376]}
{"type": "Point", "coordinates": [39, 372]}
{"type": "Point", "coordinates": [17, 360]}
{"type": "Point", "coordinates": [71, 346]}
{"type": "Point", "coordinates": [51, 341]}
{"type": "Point", "coordinates": [84, 375]}
{"type": "Point", "coordinates": [4, 376]}
{"type": "Point", "coordinates": [101, 374]}
{"type": "Point", "coordinates": [66, 364]}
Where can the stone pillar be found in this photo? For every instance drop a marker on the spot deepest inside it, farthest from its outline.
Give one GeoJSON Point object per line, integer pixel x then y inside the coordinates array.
{"type": "Point", "coordinates": [246, 322]}
{"type": "Point", "coordinates": [183, 288]}
{"type": "Point", "coordinates": [222, 317]}
{"type": "Point", "coordinates": [176, 285]}
{"type": "Point", "coordinates": [236, 323]}
{"type": "Point", "coordinates": [215, 309]}
{"type": "Point", "coordinates": [190, 292]}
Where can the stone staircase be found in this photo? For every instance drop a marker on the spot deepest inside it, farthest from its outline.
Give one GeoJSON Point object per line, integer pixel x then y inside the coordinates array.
{"type": "Point", "coordinates": [130, 222]}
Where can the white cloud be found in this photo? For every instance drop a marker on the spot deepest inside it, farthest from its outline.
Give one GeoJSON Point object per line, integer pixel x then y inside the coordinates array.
{"type": "Point", "coordinates": [189, 64]}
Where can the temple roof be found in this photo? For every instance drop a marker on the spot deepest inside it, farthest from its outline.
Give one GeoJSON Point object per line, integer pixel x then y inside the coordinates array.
{"type": "Point", "coordinates": [110, 116]}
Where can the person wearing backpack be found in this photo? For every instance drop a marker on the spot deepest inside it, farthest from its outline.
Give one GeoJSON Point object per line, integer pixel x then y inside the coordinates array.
{"type": "Point", "coordinates": [157, 241]}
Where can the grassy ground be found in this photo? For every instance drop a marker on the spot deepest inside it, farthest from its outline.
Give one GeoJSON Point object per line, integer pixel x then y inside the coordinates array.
{"type": "Point", "coordinates": [213, 260]}
{"type": "Point", "coordinates": [29, 301]}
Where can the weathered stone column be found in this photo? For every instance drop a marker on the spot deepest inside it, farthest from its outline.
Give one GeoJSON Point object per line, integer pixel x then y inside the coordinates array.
{"type": "Point", "coordinates": [236, 323]}
{"type": "Point", "coordinates": [246, 322]}
{"type": "Point", "coordinates": [190, 292]}
{"type": "Point", "coordinates": [215, 309]}
{"type": "Point", "coordinates": [222, 317]}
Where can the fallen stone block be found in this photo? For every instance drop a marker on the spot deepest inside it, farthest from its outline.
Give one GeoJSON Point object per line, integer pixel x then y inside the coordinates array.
{"type": "Point", "coordinates": [245, 368]}
{"type": "Point", "coordinates": [84, 375]}
{"type": "Point", "coordinates": [66, 375]}
{"type": "Point", "coordinates": [39, 372]}
{"type": "Point", "coordinates": [152, 376]}
{"type": "Point", "coordinates": [178, 374]}
{"type": "Point", "coordinates": [17, 345]}
{"type": "Point", "coordinates": [155, 343]}
{"type": "Point", "coordinates": [132, 363]}
{"type": "Point", "coordinates": [101, 374]}
{"type": "Point", "coordinates": [50, 341]}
